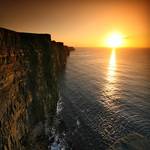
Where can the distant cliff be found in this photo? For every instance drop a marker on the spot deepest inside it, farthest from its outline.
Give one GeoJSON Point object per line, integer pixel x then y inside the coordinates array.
{"type": "Point", "coordinates": [29, 66]}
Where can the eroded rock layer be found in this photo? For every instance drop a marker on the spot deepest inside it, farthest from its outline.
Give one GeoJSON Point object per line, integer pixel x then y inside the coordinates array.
{"type": "Point", "coordinates": [29, 65]}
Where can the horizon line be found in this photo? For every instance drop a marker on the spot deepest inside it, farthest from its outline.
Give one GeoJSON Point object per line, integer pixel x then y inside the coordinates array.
{"type": "Point", "coordinates": [108, 47]}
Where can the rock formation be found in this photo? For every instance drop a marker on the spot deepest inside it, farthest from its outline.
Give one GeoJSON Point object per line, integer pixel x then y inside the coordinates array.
{"type": "Point", "coordinates": [29, 66]}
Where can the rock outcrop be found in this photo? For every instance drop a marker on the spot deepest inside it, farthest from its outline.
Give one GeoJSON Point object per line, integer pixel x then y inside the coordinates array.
{"type": "Point", "coordinates": [29, 66]}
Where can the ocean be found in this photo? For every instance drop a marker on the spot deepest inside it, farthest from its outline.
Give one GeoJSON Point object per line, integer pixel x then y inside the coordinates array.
{"type": "Point", "coordinates": [105, 96]}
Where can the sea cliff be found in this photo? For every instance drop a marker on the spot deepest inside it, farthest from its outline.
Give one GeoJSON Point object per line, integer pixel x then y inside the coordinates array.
{"type": "Point", "coordinates": [29, 66]}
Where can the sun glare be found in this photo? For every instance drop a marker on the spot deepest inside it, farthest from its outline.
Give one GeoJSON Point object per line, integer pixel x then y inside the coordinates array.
{"type": "Point", "coordinates": [115, 40]}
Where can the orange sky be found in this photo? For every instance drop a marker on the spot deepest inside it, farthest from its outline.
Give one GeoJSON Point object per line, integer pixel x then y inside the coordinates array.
{"type": "Point", "coordinates": [80, 22]}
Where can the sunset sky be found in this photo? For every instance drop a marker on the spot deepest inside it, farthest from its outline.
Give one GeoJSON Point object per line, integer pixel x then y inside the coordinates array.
{"type": "Point", "coordinates": [81, 22]}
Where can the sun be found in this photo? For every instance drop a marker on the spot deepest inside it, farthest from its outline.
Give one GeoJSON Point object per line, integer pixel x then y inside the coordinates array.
{"type": "Point", "coordinates": [114, 40]}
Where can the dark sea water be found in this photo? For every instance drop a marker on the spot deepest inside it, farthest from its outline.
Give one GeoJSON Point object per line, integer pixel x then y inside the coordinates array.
{"type": "Point", "coordinates": [105, 96]}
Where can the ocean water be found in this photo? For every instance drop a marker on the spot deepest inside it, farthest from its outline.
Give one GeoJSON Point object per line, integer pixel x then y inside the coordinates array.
{"type": "Point", "coordinates": [105, 96]}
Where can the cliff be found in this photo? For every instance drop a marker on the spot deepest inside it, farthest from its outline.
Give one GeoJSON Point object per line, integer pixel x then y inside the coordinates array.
{"type": "Point", "coordinates": [29, 66]}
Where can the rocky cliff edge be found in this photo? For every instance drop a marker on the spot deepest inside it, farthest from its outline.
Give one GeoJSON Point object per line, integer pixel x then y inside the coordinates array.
{"type": "Point", "coordinates": [29, 66]}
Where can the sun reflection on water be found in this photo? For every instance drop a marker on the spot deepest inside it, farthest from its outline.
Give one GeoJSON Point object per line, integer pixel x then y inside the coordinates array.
{"type": "Point", "coordinates": [110, 86]}
{"type": "Point", "coordinates": [112, 66]}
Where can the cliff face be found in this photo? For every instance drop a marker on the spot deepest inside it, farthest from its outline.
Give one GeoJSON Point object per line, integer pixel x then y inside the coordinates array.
{"type": "Point", "coordinates": [29, 66]}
